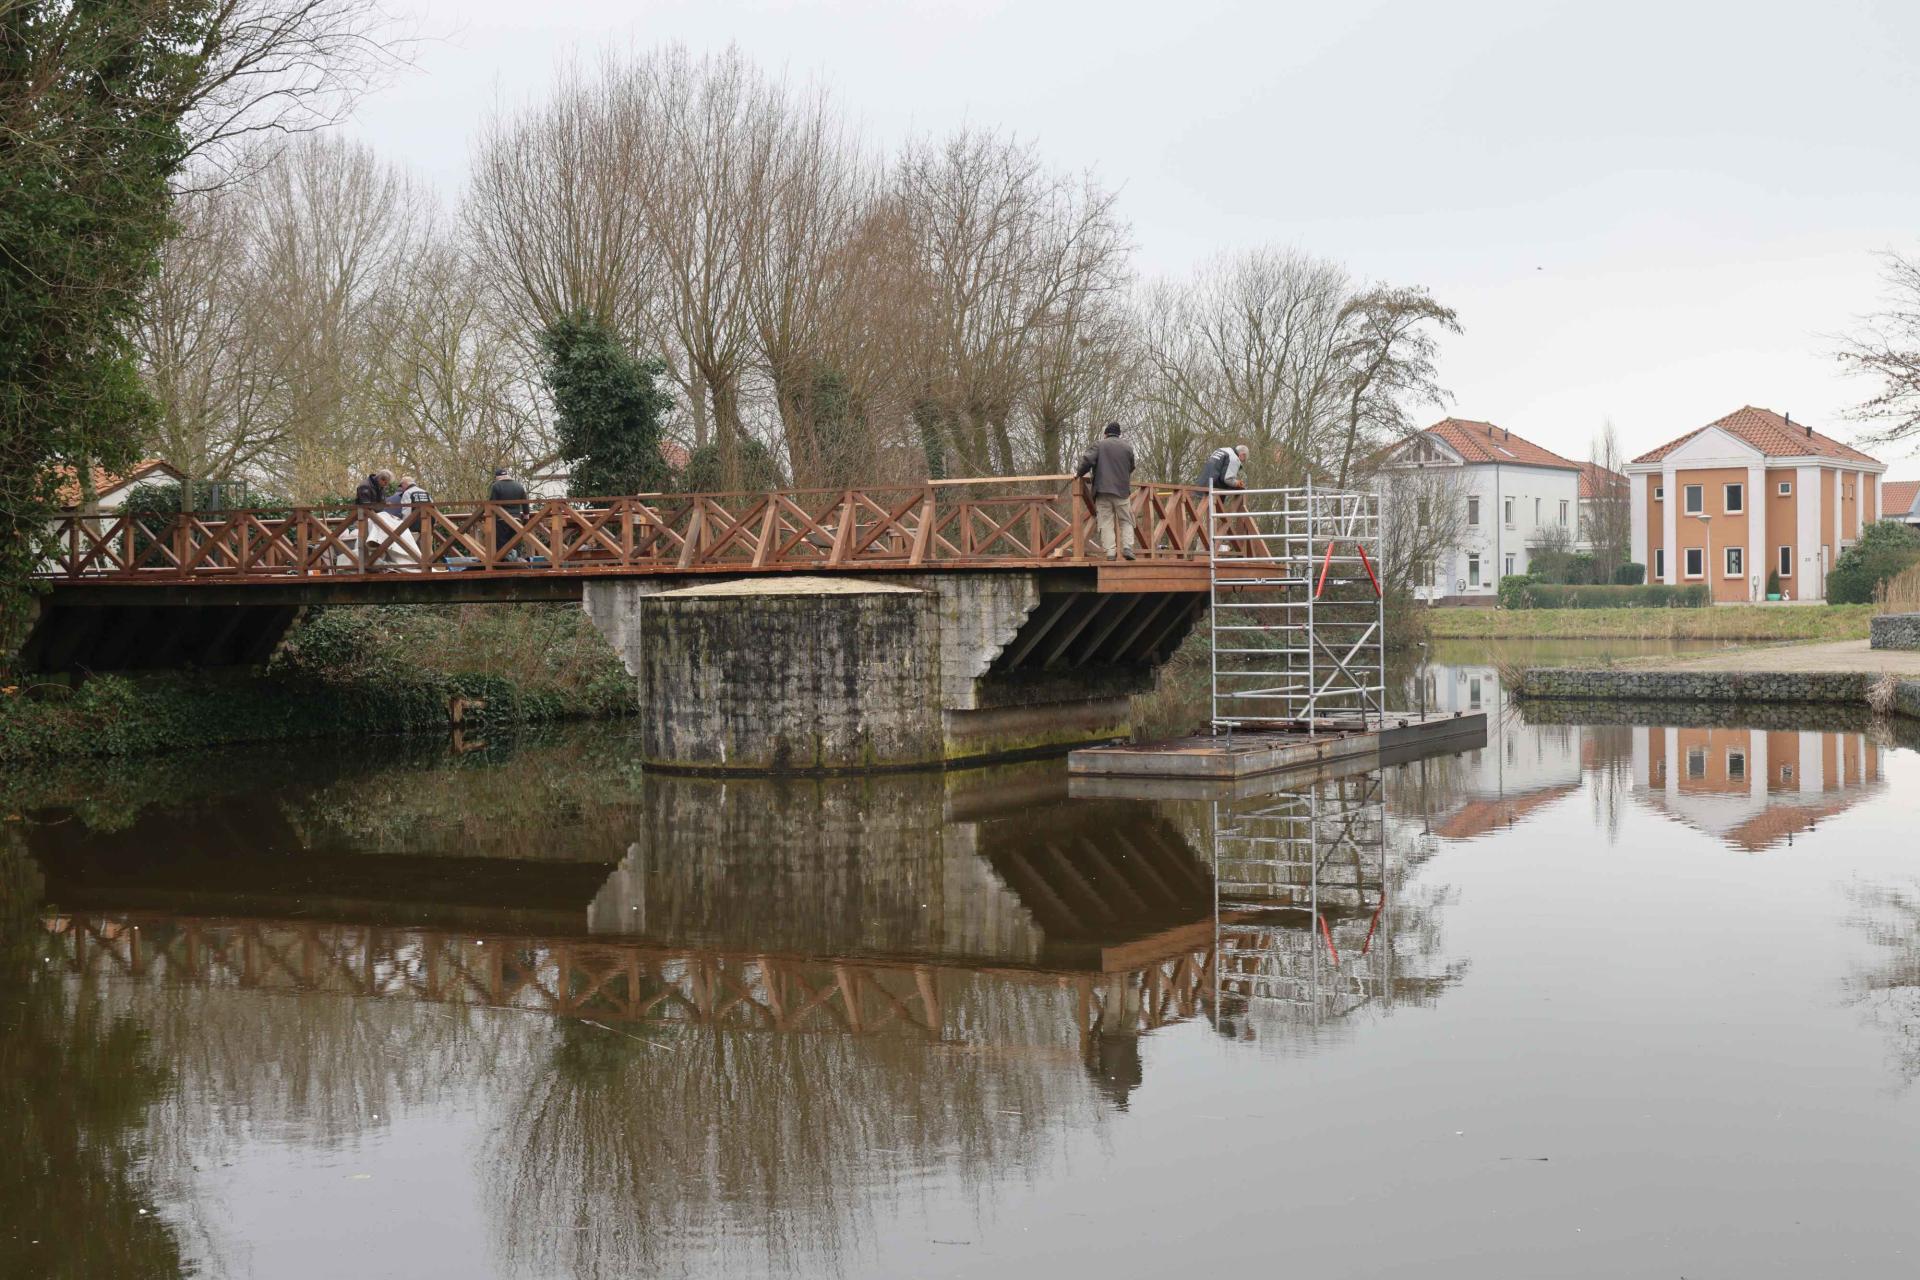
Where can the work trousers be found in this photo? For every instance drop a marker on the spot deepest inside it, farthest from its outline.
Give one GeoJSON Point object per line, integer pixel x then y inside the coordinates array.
{"type": "Point", "coordinates": [1113, 516]}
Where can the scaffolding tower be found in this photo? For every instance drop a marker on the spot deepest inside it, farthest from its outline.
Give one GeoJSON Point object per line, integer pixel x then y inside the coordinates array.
{"type": "Point", "coordinates": [1302, 884]}
{"type": "Point", "coordinates": [1298, 615]}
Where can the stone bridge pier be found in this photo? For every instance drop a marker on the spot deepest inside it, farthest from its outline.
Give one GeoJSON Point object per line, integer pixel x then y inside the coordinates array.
{"type": "Point", "coordinates": [797, 674]}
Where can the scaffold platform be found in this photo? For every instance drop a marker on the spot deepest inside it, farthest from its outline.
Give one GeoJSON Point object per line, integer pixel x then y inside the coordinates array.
{"type": "Point", "coordinates": [1253, 752]}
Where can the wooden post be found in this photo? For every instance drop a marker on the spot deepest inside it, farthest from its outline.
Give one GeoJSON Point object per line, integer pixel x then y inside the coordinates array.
{"type": "Point", "coordinates": [844, 534]}
{"type": "Point", "coordinates": [922, 536]}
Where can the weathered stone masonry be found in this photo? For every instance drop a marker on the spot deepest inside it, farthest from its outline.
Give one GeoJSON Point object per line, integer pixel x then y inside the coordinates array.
{"type": "Point", "coordinates": [793, 674]}
{"type": "Point", "coordinates": [1895, 631]}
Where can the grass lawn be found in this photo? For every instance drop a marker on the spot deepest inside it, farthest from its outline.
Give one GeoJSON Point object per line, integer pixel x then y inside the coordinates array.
{"type": "Point", "coordinates": [1729, 622]}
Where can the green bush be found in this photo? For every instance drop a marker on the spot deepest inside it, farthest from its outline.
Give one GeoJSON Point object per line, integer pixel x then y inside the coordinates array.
{"type": "Point", "coordinates": [1519, 592]}
{"type": "Point", "coordinates": [1885, 548]}
{"type": "Point", "coordinates": [1567, 567]}
{"type": "Point", "coordinates": [1630, 574]}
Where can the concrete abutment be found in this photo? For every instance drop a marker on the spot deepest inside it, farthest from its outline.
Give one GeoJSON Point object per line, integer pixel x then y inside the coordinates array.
{"type": "Point", "coordinates": [795, 674]}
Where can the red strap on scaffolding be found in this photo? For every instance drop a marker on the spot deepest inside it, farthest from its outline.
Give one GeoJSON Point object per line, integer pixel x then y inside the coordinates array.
{"type": "Point", "coordinates": [1373, 924]}
{"type": "Point", "coordinates": [1328, 935]}
{"type": "Point", "coordinates": [1327, 565]}
{"type": "Point", "coordinates": [1369, 564]}
{"type": "Point", "coordinates": [1323, 570]}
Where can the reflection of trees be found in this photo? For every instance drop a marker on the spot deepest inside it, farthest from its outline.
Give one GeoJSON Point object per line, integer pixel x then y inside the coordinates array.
{"type": "Point", "coordinates": [617, 1150]}
{"type": "Point", "coordinates": [557, 794]}
{"type": "Point", "coordinates": [1890, 991]}
{"type": "Point", "coordinates": [78, 1082]}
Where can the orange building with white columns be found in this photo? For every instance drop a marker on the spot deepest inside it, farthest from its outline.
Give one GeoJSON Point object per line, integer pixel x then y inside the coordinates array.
{"type": "Point", "coordinates": [1751, 494]}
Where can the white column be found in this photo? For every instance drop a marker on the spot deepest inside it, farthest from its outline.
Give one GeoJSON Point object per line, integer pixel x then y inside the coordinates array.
{"type": "Point", "coordinates": [1853, 533]}
{"type": "Point", "coordinates": [1642, 758]}
{"type": "Point", "coordinates": [1757, 565]}
{"type": "Point", "coordinates": [1637, 511]}
{"type": "Point", "coordinates": [1812, 762]}
{"type": "Point", "coordinates": [1674, 763]}
{"type": "Point", "coordinates": [1670, 529]}
{"type": "Point", "coordinates": [1757, 767]}
{"type": "Point", "coordinates": [1806, 551]}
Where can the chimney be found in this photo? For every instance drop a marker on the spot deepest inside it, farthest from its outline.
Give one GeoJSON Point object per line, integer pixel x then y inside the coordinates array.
{"type": "Point", "coordinates": [1505, 434]}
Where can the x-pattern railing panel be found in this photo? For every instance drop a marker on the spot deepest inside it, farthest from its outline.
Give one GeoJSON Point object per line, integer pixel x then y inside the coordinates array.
{"type": "Point", "coordinates": [1017, 522]}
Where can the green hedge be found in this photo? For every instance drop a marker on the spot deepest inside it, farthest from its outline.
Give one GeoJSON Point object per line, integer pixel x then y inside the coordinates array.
{"type": "Point", "coordinates": [1518, 591]}
{"type": "Point", "coordinates": [1885, 548]}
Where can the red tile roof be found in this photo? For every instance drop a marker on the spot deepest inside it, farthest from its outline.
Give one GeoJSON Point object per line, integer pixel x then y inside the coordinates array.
{"type": "Point", "coordinates": [1896, 496]}
{"type": "Point", "coordinates": [1478, 817]}
{"type": "Point", "coordinates": [70, 494]}
{"type": "Point", "coordinates": [1484, 442]}
{"type": "Point", "coordinates": [1596, 480]}
{"type": "Point", "coordinates": [1772, 434]}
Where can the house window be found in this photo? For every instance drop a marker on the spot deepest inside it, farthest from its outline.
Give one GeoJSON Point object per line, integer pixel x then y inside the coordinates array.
{"type": "Point", "coordinates": [1736, 561]}
{"type": "Point", "coordinates": [1786, 488]}
{"type": "Point", "coordinates": [1536, 513]}
{"type": "Point", "coordinates": [1696, 762]}
{"type": "Point", "coordinates": [1786, 562]}
{"type": "Point", "coordinates": [1509, 564]}
{"type": "Point", "coordinates": [1473, 568]}
{"type": "Point", "coordinates": [1734, 499]}
{"type": "Point", "coordinates": [1659, 493]}
{"type": "Point", "coordinates": [1693, 499]}
{"type": "Point", "coordinates": [1695, 558]}
{"type": "Point", "coordinates": [1736, 765]}
{"type": "Point", "coordinates": [1508, 512]}
{"type": "Point", "coordinates": [1473, 692]}
{"type": "Point", "coordinates": [1563, 513]}
{"type": "Point", "coordinates": [1786, 773]}
{"type": "Point", "coordinates": [1659, 564]}
{"type": "Point", "coordinates": [1420, 511]}
{"type": "Point", "coordinates": [1473, 512]}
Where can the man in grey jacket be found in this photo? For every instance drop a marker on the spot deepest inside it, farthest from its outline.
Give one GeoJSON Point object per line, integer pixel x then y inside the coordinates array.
{"type": "Point", "coordinates": [1111, 464]}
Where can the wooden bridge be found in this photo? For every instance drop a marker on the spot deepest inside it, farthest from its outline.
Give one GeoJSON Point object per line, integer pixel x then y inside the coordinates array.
{"type": "Point", "coordinates": [1023, 522]}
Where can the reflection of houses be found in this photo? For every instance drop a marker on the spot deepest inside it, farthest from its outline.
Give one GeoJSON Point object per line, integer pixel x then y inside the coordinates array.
{"type": "Point", "coordinates": [1752, 787]}
{"type": "Point", "coordinates": [1521, 769]}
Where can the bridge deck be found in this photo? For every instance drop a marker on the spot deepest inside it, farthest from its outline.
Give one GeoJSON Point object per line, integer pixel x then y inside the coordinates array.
{"type": "Point", "coordinates": [1023, 523]}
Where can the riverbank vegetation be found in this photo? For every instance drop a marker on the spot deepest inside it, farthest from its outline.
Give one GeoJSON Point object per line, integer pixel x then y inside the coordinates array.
{"type": "Point", "coordinates": [1727, 622]}
{"type": "Point", "coordinates": [343, 672]}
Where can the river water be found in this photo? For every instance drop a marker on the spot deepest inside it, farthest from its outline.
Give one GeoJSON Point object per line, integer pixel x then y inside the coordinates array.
{"type": "Point", "coordinates": [1632, 998]}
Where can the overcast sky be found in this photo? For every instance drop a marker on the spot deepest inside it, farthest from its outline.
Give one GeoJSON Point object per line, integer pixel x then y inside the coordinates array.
{"type": "Point", "coordinates": [1650, 212]}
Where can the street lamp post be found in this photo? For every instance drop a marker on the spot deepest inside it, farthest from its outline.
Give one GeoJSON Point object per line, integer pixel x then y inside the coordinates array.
{"type": "Point", "coordinates": [1706, 560]}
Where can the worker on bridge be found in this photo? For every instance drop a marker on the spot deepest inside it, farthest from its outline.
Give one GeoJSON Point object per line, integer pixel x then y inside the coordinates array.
{"type": "Point", "coordinates": [1110, 463]}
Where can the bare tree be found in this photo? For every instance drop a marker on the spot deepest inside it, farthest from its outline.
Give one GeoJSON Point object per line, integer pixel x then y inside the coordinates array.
{"type": "Point", "coordinates": [552, 214]}
{"type": "Point", "coordinates": [335, 229]}
{"type": "Point", "coordinates": [272, 68]}
{"type": "Point", "coordinates": [1250, 352]}
{"type": "Point", "coordinates": [1886, 348]}
{"type": "Point", "coordinates": [452, 394]}
{"type": "Point", "coordinates": [1389, 342]}
{"type": "Point", "coordinates": [209, 361]}
{"type": "Point", "coordinates": [1011, 254]}
{"type": "Point", "coordinates": [1606, 517]}
{"type": "Point", "coordinates": [1423, 515]}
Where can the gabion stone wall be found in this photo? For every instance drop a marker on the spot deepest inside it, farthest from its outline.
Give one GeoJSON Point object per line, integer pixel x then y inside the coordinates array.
{"type": "Point", "coordinates": [1896, 631]}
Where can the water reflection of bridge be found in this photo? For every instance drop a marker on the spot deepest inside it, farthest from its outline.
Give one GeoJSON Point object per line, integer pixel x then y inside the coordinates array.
{"type": "Point", "coordinates": [1103, 920]}
{"type": "Point", "coordinates": [617, 980]}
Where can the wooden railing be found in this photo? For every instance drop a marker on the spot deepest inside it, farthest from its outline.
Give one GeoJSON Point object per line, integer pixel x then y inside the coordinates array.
{"type": "Point", "coordinates": [994, 523]}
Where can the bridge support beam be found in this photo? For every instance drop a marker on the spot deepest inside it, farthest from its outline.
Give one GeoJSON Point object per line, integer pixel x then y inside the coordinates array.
{"type": "Point", "coordinates": [791, 674]}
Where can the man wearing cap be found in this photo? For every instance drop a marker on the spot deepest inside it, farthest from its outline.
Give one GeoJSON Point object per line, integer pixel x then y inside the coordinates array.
{"type": "Point", "coordinates": [1110, 462]}
{"type": "Point", "coordinates": [508, 490]}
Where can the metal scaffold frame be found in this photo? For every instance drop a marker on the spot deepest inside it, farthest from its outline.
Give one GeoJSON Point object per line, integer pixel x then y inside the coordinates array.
{"type": "Point", "coordinates": [1320, 851]}
{"type": "Point", "coordinates": [1298, 614]}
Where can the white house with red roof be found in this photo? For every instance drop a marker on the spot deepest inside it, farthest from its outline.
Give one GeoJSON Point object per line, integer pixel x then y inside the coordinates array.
{"type": "Point", "coordinates": [1900, 500]}
{"type": "Point", "coordinates": [1515, 494]}
{"type": "Point", "coordinates": [1747, 497]}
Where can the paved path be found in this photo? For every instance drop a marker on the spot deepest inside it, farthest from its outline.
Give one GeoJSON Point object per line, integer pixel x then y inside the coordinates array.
{"type": "Point", "coordinates": [1836, 655]}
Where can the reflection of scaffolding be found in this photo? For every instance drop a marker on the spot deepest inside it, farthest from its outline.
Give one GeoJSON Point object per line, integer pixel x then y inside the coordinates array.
{"type": "Point", "coordinates": [1298, 616]}
{"type": "Point", "coordinates": [1318, 853]}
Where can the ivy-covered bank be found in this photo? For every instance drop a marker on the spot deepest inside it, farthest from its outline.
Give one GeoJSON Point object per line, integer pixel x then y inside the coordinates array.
{"type": "Point", "coordinates": [343, 672]}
